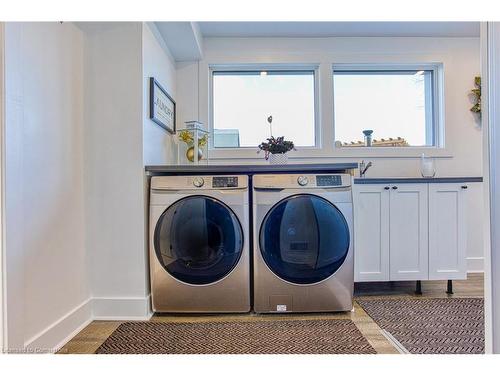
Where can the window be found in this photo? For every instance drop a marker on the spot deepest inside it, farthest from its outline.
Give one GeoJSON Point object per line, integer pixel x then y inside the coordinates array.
{"type": "Point", "coordinates": [243, 100]}
{"type": "Point", "coordinates": [398, 105]}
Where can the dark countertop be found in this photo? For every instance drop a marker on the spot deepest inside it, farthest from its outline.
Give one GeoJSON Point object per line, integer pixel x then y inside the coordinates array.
{"type": "Point", "coordinates": [159, 170]}
{"type": "Point", "coordinates": [412, 180]}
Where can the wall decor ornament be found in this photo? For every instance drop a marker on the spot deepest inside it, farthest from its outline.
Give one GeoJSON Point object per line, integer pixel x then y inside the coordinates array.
{"type": "Point", "coordinates": [476, 93]}
{"type": "Point", "coordinates": [161, 106]}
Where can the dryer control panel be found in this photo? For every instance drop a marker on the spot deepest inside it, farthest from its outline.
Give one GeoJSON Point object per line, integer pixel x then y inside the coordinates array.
{"type": "Point", "coordinates": [231, 182]}
{"type": "Point", "coordinates": [225, 181]}
{"type": "Point", "coordinates": [302, 181]}
{"type": "Point", "coordinates": [329, 180]}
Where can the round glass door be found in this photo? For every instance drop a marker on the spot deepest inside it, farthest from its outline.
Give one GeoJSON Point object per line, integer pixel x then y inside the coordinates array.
{"type": "Point", "coordinates": [304, 239]}
{"type": "Point", "coordinates": [198, 240]}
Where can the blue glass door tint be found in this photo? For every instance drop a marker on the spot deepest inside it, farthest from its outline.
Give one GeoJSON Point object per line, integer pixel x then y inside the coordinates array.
{"type": "Point", "coordinates": [304, 239]}
{"type": "Point", "coordinates": [198, 240]}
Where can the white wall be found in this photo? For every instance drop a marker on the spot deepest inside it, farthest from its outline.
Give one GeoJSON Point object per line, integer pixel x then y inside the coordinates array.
{"type": "Point", "coordinates": [119, 140]}
{"type": "Point", "coordinates": [78, 135]}
{"type": "Point", "coordinates": [159, 146]}
{"type": "Point", "coordinates": [460, 57]}
{"type": "Point", "coordinates": [114, 172]}
{"type": "Point", "coordinates": [157, 62]}
{"type": "Point", "coordinates": [48, 293]}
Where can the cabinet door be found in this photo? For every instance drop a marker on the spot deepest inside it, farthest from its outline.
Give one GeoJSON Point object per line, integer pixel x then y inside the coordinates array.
{"type": "Point", "coordinates": [371, 232]}
{"type": "Point", "coordinates": [447, 231]}
{"type": "Point", "coordinates": [408, 230]}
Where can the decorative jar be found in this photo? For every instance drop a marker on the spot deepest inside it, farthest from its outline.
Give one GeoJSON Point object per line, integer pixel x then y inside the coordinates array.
{"type": "Point", "coordinates": [193, 140]}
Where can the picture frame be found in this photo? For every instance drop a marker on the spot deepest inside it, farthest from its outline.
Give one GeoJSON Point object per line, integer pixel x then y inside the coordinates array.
{"type": "Point", "coordinates": [161, 106]}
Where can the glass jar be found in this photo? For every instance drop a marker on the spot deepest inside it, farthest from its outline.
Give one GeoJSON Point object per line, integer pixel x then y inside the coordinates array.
{"type": "Point", "coordinates": [427, 168]}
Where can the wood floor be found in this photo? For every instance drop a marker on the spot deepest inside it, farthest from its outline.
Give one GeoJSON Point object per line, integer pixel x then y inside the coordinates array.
{"type": "Point", "coordinates": [92, 336]}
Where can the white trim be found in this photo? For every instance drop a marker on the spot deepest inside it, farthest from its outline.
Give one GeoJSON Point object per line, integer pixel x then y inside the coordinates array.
{"type": "Point", "coordinates": [490, 46]}
{"type": "Point", "coordinates": [3, 307]}
{"type": "Point", "coordinates": [310, 153]}
{"type": "Point", "coordinates": [436, 90]}
{"type": "Point", "coordinates": [57, 334]}
{"type": "Point", "coordinates": [121, 308]}
{"type": "Point", "coordinates": [475, 264]}
{"type": "Point", "coordinates": [485, 50]}
{"type": "Point", "coordinates": [397, 345]}
{"type": "Point", "coordinates": [249, 152]}
{"type": "Point", "coordinates": [324, 127]}
{"type": "Point", "coordinates": [198, 38]}
{"type": "Point", "coordinates": [61, 331]}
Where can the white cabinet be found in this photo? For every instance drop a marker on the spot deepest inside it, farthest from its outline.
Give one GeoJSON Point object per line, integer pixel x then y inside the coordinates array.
{"type": "Point", "coordinates": [371, 242]}
{"type": "Point", "coordinates": [447, 231]}
{"type": "Point", "coordinates": [409, 231]}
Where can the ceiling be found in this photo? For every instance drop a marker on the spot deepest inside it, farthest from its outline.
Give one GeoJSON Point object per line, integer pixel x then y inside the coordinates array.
{"type": "Point", "coordinates": [339, 29]}
{"type": "Point", "coordinates": [185, 39]}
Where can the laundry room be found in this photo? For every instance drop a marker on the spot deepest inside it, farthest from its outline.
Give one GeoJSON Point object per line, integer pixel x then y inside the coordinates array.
{"type": "Point", "coordinates": [249, 187]}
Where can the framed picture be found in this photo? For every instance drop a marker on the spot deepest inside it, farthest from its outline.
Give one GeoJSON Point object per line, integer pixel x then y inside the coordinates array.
{"type": "Point", "coordinates": [161, 106]}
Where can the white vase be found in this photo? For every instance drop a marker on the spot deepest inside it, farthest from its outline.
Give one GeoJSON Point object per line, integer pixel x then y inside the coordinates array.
{"type": "Point", "coordinates": [278, 159]}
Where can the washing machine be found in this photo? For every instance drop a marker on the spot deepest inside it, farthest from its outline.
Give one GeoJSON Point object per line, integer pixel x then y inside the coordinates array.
{"type": "Point", "coordinates": [303, 250]}
{"type": "Point", "coordinates": [199, 252]}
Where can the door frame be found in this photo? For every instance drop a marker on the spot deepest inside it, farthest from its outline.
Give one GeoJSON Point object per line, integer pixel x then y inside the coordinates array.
{"type": "Point", "coordinates": [3, 307]}
{"type": "Point", "coordinates": [490, 71]}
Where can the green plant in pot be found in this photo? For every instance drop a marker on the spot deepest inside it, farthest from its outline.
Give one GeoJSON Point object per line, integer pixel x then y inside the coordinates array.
{"type": "Point", "coordinates": [276, 148]}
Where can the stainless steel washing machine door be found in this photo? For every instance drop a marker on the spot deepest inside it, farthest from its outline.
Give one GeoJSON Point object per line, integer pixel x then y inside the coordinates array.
{"type": "Point", "coordinates": [304, 239]}
{"type": "Point", "coordinates": [198, 240]}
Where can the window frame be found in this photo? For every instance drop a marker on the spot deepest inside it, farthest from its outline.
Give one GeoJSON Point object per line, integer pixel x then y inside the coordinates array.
{"type": "Point", "coordinates": [246, 152]}
{"type": "Point", "coordinates": [437, 87]}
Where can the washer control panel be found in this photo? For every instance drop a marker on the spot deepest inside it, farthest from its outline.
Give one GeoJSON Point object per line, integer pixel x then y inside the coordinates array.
{"type": "Point", "coordinates": [225, 182]}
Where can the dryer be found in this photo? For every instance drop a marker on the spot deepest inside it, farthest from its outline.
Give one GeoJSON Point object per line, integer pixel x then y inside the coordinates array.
{"type": "Point", "coordinates": [303, 257]}
{"type": "Point", "coordinates": [199, 252]}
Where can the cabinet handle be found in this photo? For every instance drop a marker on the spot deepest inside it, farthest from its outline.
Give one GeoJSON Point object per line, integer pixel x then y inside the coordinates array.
{"type": "Point", "coordinates": [394, 187]}
{"type": "Point", "coordinates": [464, 187]}
{"type": "Point", "coordinates": [386, 188]}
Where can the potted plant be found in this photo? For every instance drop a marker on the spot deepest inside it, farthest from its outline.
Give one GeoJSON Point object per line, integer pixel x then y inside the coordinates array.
{"type": "Point", "coordinates": [276, 148]}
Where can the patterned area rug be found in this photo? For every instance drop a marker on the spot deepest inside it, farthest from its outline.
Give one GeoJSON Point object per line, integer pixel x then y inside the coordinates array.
{"type": "Point", "coordinates": [431, 326]}
{"type": "Point", "coordinates": [326, 336]}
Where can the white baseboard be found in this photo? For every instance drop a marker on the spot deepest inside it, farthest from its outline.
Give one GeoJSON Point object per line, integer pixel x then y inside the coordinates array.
{"type": "Point", "coordinates": [475, 264]}
{"type": "Point", "coordinates": [121, 308]}
{"type": "Point", "coordinates": [65, 328]}
{"type": "Point", "coordinates": [61, 331]}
